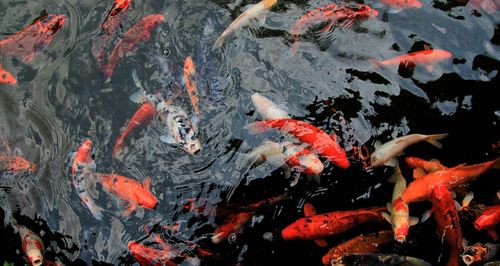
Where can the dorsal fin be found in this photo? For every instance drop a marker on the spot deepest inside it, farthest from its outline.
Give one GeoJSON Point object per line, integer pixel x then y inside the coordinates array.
{"type": "Point", "coordinates": [309, 210]}
{"type": "Point", "coordinates": [147, 183]}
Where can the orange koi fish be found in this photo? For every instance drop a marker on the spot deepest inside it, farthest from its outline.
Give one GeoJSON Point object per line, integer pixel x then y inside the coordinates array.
{"type": "Point", "coordinates": [401, 4]}
{"type": "Point", "coordinates": [317, 226]}
{"type": "Point", "coordinates": [109, 29]}
{"type": "Point", "coordinates": [425, 57]}
{"type": "Point", "coordinates": [147, 256]}
{"type": "Point", "coordinates": [427, 166]}
{"type": "Point", "coordinates": [140, 32]}
{"type": "Point", "coordinates": [421, 188]}
{"type": "Point", "coordinates": [32, 245]}
{"type": "Point", "coordinates": [6, 77]}
{"type": "Point", "coordinates": [8, 162]}
{"type": "Point", "coordinates": [479, 253]}
{"type": "Point", "coordinates": [28, 41]}
{"type": "Point", "coordinates": [190, 82]}
{"type": "Point", "coordinates": [488, 220]}
{"type": "Point", "coordinates": [333, 15]}
{"type": "Point", "coordinates": [361, 244]}
{"type": "Point", "coordinates": [130, 190]}
{"type": "Point", "coordinates": [82, 170]}
{"type": "Point", "coordinates": [319, 141]}
{"type": "Point", "coordinates": [448, 224]}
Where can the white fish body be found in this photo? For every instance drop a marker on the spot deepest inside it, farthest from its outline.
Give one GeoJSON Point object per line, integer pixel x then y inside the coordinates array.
{"type": "Point", "coordinates": [32, 245]}
{"type": "Point", "coordinates": [267, 108]}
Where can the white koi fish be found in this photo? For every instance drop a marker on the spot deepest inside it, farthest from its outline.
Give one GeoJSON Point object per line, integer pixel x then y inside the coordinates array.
{"type": "Point", "coordinates": [32, 245]}
{"type": "Point", "coordinates": [267, 108]}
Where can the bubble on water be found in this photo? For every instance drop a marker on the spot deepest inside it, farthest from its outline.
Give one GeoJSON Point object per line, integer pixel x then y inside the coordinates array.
{"type": "Point", "coordinates": [268, 236]}
{"type": "Point", "coordinates": [232, 238]}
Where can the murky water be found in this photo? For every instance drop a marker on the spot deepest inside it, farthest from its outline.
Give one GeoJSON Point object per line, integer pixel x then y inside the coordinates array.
{"type": "Point", "coordinates": [61, 99]}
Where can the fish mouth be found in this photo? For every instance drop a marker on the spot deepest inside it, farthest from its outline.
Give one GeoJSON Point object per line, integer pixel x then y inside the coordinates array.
{"type": "Point", "coordinates": [400, 239]}
{"type": "Point", "coordinates": [468, 259]}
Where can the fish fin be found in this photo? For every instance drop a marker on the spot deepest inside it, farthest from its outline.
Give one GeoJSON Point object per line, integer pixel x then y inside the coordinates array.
{"type": "Point", "coordinates": [457, 205]}
{"type": "Point", "coordinates": [465, 243]}
{"type": "Point", "coordinates": [333, 136]}
{"type": "Point", "coordinates": [320, 242]}
{"type": "Point", "coordinates": [129, 209]}
{"type": "Point", "coordinates": [396, 174]}
{"type": "Point", "coordinates": [195, 120]}
{"type": "Point", "coordinates": [167, 139]}
{"type": "Point", "coordinates": [467, 199]}
{"type": "Point", "coordinates": [391, 163]}
{"type": "Point", "coordinates": [413, 221]}
{"type": "Point", "coordinates": [139, 97]}
{"type": "Point", "coordinates": [262, 20]}
{"type": "Point", "coordinates": [496, 165]}
{"type": "Point", "coordinates": [377, 5]}
{"type": "Point", "coordinates": [395, 10]}
{"type": "Point", "coordinates": [377, 144]}
{"type": "Point", "coordinates": [386, 216]}
{"type": "Point", "coordinates": [220, 41]}
{"type": "Point", "coordinates": [426, 215]}
{"type": "Point", "coordinates": [429, 68]}
{"type": "Point", "coordinates": [375, 64]}
{"type": "Point", "coordinates": [418, 172]}
{"type": "Point", "coordinates": [256, 128]}
{"type": "Point", "coordinates": [433, 139]}
{"type": "Point", "coordinates": [389, 206]}
{"type": "Point", "coordinates": [97, 213]}
{"type": "Point", "coordinates": [493, 234]}
{"type": "Point", "coordinates": [309, 210]}
{"type": "Point", "coordinates": [147, 183]}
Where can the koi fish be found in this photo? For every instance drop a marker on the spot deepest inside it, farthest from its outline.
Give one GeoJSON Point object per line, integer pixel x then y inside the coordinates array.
{"type": "Point", "coordinates": [448, 224]}
{"type": "Point", "coordinates": [333, 15]}
{"type": "Point", "coordinates": [32, 245]}
{"type": "Point", "coordinates": [479, 253]}
{"type": "Point", "coordinates": [82, 170]}
{"type": "Point", "coordinates": [377, 259]}
{"type": "Point", "coordinates": [319, 141]}
{"type": "Point", "coordinates": [488, 220]}
{"type": "Point", "coordinates": [146, 255]}
{"type": "Point", "coordinates": [317, 226]}
{"type": "Point", "coordinates": [267, 108]}
{"type": "Point", "coordinates": [109, 29]}
{"type": "Point", "coordinates": [6, 77]}
{"type": "Point", "coordinates": [360, 244]}
{"type": "Point", "coordinates": [140, 32]}
{"type": "Point", "coordinates": [399, 213]}
{"type": "Point", "coordinates": [190, 82]}
{"type": "Point", "coordinates": [420, 189]}
{"type": "Point", "coordinates": [130, 190]}
{"type": "Point", "coordinates": [425, 57]}
{"type": "Point", "coordinates": [385, 154]}
{"type": "Point", "coordinates": [426, 166]}
{"type": "Point", "coordinates": [256, 12]}
{"type": "Point", "coordinates": [401, 4]}
{"type": "Point", "coordinates": [8, 162]}
{"type": "Point", "coordinates": [33, 38]}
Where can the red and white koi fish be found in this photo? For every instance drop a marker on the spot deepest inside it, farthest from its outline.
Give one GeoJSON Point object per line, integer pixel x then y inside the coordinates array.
{"type": "Point", "coordinates": [32, 245]}
{"type": "Point", "coordinates": [140, 32]}
{"type": "Point", "coordinates": [333, 15]}
{"type": "Point", "coordinates": [267, 108]}
{"type": "Point", "coordinates": [401, 4]}
{"type": "Point", "coordinates": [255, 12]}
{"type": "Point", "coordinates": [319, 141]}
{"type": "Point", "coordinates": [33, 38]}
{"type": "Point", "coordinates": [6, 77]}
{"type": "Point", "coordinates": [386, 153]}
{"type": "Point", "coordinates": [9, 162]}
{"type": "Point", "coordinates": [480, 253]}
{"type": "Point", "coordinates": [190, 83]}
{"type": "Point", "coordinates": [361, 244]}
{"type": "Point", "coordinates": [420, 189]}
{"type": "Point", "coordinates": [448, 224]}
{"type": "Point", "coordinates": [399, 213]}
{"type": "Point", "coordinates": [488, 220]}
{"type": "Point", "coordinates": [425, 57]}
{"type": "Point", "coordinates": [129, 190]}
{"type": "Point", "coordinates": [109, 29]}
{"type": "Point", "coordinates": [82, 170]}
{"type": "Point", "coordinates": [317, 226]}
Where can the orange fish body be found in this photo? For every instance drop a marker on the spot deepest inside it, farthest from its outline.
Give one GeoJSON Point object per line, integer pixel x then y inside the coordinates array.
{"type": "Point", "coordinates": [32, 245]}
{"type": "Point", "coordinates": [83, 156]}
{"type": "Point", "coordinates": [371, 243]}
{"type": "Point", "coordinates": [402, 3]}
{"type": "Point", "coordinates": [147, 256]}
{"type": "Point", "coordinates": [28, 41]}
{"type": "Point", "coordinates": [6, 77]}
{"type": "Point", "coordinates": [189, 80]}
{"type": "Point", "coordinates": [130, 190]}
{"type": "Point", "coordinates": [232, 224]}
{"type": "Point", "coordinates": [488, 220]}
{"type": "Point", "coordinates": [427, 166]}
{"type": "Point", "coordinates": [319, 141]}
{"type": "Point", "coordinates": [141, 117]}
{"type": "Point", "coordinates": [448, 224]}
{"type": "Point", "coordinates": [424, 57]}
{"type": "Point", "coordinates": [140, 32]}
{"type": "Point", "coordinates": [332, 14]}
{"type": "Point", "coordinates": [421, 188]}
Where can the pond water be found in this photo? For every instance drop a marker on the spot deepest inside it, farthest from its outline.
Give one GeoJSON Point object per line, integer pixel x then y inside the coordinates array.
{"type": "Point", "coordinates": [61, 98]}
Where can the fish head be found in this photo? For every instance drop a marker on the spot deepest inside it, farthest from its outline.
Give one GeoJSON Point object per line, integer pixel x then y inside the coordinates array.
{"type": "Point", "coordinates": [119, 6]}
{"type": "Point", "coordinates": [53, 23]}
{"type": "Point", "coordinates": [147, 199]}
{"type": "Point", "coordinates": [6, 77]}
{"type": "Point", "coordinates": [19, 163]}
{"type": "Point", "coordinates": [441, 54]}
{"type": "Point", "coordinates": [474, 253]}
{"type": "Point", "coordinates": [154, 21]}
{"type": "Point", "coordinates": [364, 11]}
{"type": "Point", "coordinates": [401, 219]}
{"type": "Point", "coordinates": [485, 221]}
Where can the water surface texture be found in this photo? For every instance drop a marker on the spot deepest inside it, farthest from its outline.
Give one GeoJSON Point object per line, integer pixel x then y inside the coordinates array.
{"type": "Point", "coordinates": [61, 98]}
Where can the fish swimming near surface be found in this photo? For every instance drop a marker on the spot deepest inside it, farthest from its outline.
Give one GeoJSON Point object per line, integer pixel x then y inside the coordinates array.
{"type": "Point", "coordinates": [6, 77]}
{"type": "Point", "coordinates": [255, 12]}
{"type": "Point", "coordinates": [319, 141]}
{"type": "Point", "coordinates": [190, 83]}
{"type": "Point", "coordinates": [317, 226]}
{"type": "Point", "coordinates": [333, 15]}
{"type": "Point", "coordinates": [139, 32]}
{"type": "Point", "coordinates": [82, 171]}
{"type": "Point", "coordinates": [480, 253]}
{"type": "Point", "coordinates": [32, 245]}
{"type": "Point", "coordinates": [386, 153]}
{"type": "Point", "coordinates": [108, 31]}
{"type": "Point", "coordinates": [27, 42]}
{"type": "Point", "coordinates": [488, 220]}
{"type": "Point", "coordinates": [425, 57]}
{"type": "Point", "coordinates": [135, 193]}
{"type": "Point", "coordinates": [267, 108]}
{"type": "Point", "coordinates": [11, 163]}
{"type": "Point", "coordinates": [421, 188]}
{"type": "Point", "coordinates": [148, 255]}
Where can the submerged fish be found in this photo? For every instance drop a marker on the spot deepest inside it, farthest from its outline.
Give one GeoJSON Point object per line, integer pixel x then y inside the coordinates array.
{"type": "Point", "coordinates": [425, 57]}
{"type": "Point", "coordinates": [139, 32]}
{"type": "Point", "coordinates": [6, 77]}
{"type": "Point", "coordinates": [402, 4]}
{"type": "Point", "coordinates": [33, 38]}
{"type": "Point", "coordinates": [32, 245]}
{"type": "Point", "coordinates": [333, 15]}
{"type": "Point", "coordinates": [9, 162]}
{"type": "Point", "coordinates": [147, 255]}
{"type": "Point", "coordinates": [254, 13]}
{"type": "Point", "coordinates": [488, 220]}
{"type": "Point", "coordinates": [190, 83]}
{"type": "Point", "coordinates": [267, 108]}
{"type": "Point", "coordinates": [377, 259]}
{"type": "Point", "coordinates": [386, 153]}
{"type": "Point", "coordinates": [480, 253]}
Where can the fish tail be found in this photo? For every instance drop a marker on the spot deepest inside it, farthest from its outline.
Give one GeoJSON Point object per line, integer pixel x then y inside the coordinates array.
{"type": "Point", "coordinates": [256, 128]}
{"type": "Point", "coordinates": [433, 139]}
{"type": "Point", "coordinates": [218, 43]}
{"type": "Point", "coordinates": [118, 147]}
{"type": "Point", "coordinates": [375, 63]}
{"type": "Point", "coordinates": [496, 164]}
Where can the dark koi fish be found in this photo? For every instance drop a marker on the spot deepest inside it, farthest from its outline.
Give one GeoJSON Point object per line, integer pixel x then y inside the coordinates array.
{"type": "Point", "coordinates": [479, 253]}
{"type": "Point", "coordinates": [6, 77]}
{"type": "Point", "coordinates": [333, 15]}
{"type": "Point", "coordinates": [138, 33]}
{"type": "Point", "coordinates": [33, 38]}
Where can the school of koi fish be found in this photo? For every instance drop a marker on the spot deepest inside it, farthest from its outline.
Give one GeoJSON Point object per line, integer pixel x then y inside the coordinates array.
{"type": "Point", "coordinates": [303, 149]}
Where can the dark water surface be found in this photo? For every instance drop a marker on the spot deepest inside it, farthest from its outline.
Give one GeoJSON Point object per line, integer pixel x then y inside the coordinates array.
{"type": "Point", "coordinates": [61, 98]}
